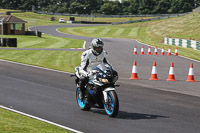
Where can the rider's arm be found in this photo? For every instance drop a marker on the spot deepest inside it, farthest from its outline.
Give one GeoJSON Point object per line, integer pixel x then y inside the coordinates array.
{"type": "Point", "coordinates": [105, 60]}
{"type": "Point", "coordinates": [84, 63]}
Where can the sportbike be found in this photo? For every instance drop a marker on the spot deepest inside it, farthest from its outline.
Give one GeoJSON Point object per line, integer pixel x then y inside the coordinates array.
{"type": "Point", "coordinates": [100, 90]}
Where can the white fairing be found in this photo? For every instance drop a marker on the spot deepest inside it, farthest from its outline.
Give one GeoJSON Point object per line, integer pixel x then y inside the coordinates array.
{"type": "Point", "coordinates": [105, 93]}
{"type": "Point", "coordinates": [97, 83]}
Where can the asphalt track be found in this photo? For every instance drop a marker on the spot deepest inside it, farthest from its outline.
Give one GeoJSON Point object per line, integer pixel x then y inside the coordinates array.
{"type": "Point", "coordinates": [145, 106]}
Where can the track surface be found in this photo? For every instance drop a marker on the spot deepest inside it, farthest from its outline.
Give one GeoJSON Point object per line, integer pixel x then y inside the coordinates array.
{"type": "Point", "coordinates": [145, 106]}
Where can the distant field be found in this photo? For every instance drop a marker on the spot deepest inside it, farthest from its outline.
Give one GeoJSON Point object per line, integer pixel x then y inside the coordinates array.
{"type": "Point", "coordinates": [185, 27]}
{"type": "Point", "coordinates": [104, 31]}
{"type": "Point", "coordinates": [5, 10]}
{"type": "Point", "coordinates": [102, 19]}
{"type": "Point", "coordinates": [46, 41]}
{"type": "Point", "coordinates": [43, 19]}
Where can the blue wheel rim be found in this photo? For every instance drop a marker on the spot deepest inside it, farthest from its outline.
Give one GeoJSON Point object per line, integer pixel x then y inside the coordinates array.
{"type": "Point", "coordinates": [81, 104]}
{"type": "Point", "coordinates": [110, 107]}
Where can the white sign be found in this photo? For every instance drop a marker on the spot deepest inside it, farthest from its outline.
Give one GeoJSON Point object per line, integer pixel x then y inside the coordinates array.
{"type": "Point", "coordinates": [2, 31]}
{"type": "Point", "coordinates": [1, 21]}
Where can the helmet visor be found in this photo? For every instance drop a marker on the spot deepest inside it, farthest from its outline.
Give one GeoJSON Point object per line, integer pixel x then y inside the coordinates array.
{"type": "Point", "coordinates": [98, 49]}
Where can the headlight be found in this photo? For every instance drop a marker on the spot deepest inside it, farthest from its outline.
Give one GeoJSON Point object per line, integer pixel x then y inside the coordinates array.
{"type": "Point", "coordinates": [103, 80]}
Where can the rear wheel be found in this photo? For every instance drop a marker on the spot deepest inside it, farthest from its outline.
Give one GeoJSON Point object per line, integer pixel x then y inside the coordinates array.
{"type": "Point", "coordinates": [112, 107]}
{"type": "Point", "coordinates": [82, 104]}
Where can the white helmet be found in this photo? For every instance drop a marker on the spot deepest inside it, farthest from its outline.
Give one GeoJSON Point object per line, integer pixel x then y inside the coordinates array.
{"type": "Point", "coordinates": [97, 46]}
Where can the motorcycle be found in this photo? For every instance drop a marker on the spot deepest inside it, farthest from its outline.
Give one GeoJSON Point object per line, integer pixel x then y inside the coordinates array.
{"type": "Point", "coordinates": [100, 90]}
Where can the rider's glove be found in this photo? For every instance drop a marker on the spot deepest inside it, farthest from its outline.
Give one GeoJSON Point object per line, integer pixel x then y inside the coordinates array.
{"type": "Point", "coordinates": [89, 74]}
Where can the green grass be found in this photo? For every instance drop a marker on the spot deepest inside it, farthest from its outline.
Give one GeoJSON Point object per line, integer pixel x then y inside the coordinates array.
{"type": "Point", "coordinates": [59, 60]}
{"type": "Point", "coordinates": [5, 10]}
{"type": "Point", "coordinates": [44, 19]}
{"type": "Point", "coordinates": [147, 32]}
{"type": "Point", "coordinates": [34, 19]}
{"type": "Point", "coordinates": [185, 27]}
{"type": "Point", "coordinates": [46, 41]}
{"type": "Point", "coordinates": [14, 123]}
{"type": "Point", "coordinates": [103, 19]}
{"type": "Point", "coordinates": [103, 31]}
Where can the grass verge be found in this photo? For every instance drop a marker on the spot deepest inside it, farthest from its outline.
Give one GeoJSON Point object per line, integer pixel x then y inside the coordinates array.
{"type": "Point", "coordinates": [15, 123]}
{"type": "Point", "coordinates": [46, 41]}
{"type": "Point", "coordinates": [58, 60]}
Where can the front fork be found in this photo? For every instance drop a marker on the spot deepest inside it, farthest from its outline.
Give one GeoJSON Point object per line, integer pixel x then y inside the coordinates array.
{"type": "Point", "coordinates": [105, 93]}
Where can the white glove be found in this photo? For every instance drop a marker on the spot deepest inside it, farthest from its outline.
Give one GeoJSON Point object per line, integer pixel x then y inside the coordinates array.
{"type": "Point", "coordinates": [91, 73]}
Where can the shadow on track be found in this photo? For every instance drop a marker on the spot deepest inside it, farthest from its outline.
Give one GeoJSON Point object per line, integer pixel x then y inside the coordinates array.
{"type": "Point", "coordinates": [137, 116]}
{"type": "Point", "coordinates": [131, 116]}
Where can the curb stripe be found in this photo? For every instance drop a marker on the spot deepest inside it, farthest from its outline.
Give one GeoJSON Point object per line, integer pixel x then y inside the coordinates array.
{"type": "Point", "coordinates": [76, 39]}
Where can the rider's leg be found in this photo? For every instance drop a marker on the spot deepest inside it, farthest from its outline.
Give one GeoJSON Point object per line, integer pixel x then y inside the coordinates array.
{"type": "Point", "coordinates": [83, 82]}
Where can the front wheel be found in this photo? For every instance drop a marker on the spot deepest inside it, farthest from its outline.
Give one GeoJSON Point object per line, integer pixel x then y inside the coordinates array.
{"type": "Point", "coordinates": [82, 104]}
{"type": "Point", "coordinates": [112, 107]}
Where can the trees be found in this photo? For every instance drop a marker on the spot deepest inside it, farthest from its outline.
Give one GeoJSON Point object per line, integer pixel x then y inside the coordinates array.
{"type": "Point", "coordinates": [111, 8]}
{"type": "Point", "coordinates": [181, 6]}
{"type": "Point", "coordinates": [104, 6]}
{"type": "Point", "coordinates": [162, 6]}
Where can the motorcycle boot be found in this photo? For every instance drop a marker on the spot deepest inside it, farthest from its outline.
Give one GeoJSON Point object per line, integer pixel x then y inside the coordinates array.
{"type": "Point", "coordinates": [82, 83]}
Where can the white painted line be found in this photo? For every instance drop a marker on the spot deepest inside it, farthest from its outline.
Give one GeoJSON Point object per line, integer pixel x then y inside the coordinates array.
{"type": "Point", "coordinates": [64, 33]}
{"type": "Point", "coordinates": [37, 118]}
{"type": "Point", "coordinates": [77, 39]}
{"type": "Point", "coordinates": [173, 53]}
{"type": "Point", "coordinates": [84, 44]}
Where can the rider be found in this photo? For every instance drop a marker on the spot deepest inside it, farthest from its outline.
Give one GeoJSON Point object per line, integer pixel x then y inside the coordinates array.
{"type": "Point", "coordinates": [89, 59]}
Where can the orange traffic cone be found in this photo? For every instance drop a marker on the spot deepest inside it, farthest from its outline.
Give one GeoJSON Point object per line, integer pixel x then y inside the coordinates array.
{"type": "Point", "coordinates": [191, 74]}
{"type": "Point", "coordinates": [142, 51]}
{"type": "Point", "coordinates": [176, 52]}
{"type": "Point", "coordinates": [134, 71]}
{"type": "Point", "coordinates": [155, 51]}
{"type": "Point", "coordinates": [135, 50]}
{"type": "Point", "coordinates": [154, 72]}
{"type": "Point", "coordinates": [162, 51]}
{"type": "Point", "coordinates": [171, 76]}
{"type": "Point", "coordinates": [169, 51]}
{"type": "Point", "coordinates": [149, 51]}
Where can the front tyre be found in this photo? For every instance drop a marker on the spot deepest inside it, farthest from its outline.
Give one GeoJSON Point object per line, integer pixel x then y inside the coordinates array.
{"type": "Point", "coordinates": [82, 104]}
{"type": "Point", "coordinates": [112, 107]}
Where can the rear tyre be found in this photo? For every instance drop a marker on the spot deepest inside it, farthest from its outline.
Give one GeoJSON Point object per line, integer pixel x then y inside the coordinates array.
{"type": "Point", "coordinates": [112, 107]}
{"type": "Point", "coordinates": [82, 104]}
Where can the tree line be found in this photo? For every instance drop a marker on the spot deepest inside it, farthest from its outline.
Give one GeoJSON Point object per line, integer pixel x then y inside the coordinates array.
{"type": "Point", "coordinates": [106, 7]}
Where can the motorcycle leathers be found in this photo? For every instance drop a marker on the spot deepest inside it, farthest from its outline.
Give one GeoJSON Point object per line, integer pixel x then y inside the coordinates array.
{"type": "Point", "coordinates": [89, 60]}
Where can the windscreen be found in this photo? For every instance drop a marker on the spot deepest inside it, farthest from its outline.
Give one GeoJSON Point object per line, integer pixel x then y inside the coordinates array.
{"type": "Point", "coordinates": [103, 67]}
